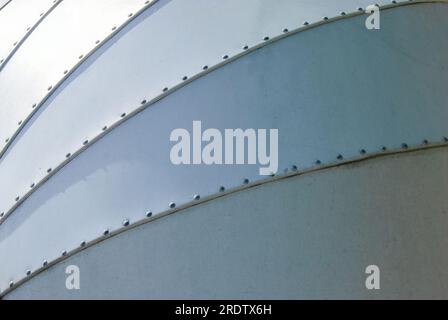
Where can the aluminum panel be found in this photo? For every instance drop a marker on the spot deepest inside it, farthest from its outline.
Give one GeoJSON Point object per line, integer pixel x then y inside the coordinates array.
{"type": "Point", "coordinates": [58, 45]}
{"type": "Point", "coordinates": [319, 110]}
{"type": "Point", "coordinates": [16, 20]}
{"type": "Point", "coordinates": [308, 237]}
{"type": "Point", "coordinates": [111, 89]}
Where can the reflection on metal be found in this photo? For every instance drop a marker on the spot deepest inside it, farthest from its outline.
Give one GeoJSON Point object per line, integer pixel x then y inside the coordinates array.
{"type": "Point", "coordinates": [193, 245]}
{"type": "Point", "coordinates": [259, 72]}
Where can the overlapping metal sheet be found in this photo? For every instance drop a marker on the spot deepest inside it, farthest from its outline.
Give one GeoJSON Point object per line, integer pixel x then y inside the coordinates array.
{"type": "Point", "coordinates": [335, 92]}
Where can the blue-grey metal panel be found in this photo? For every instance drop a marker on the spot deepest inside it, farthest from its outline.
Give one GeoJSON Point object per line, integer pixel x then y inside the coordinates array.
{"type": "Point", "coordinates": [163, 52]}
{"type": "Point", "coordinates": [353, 92]}
{"type": "Point", "coordinates": [307, 237]}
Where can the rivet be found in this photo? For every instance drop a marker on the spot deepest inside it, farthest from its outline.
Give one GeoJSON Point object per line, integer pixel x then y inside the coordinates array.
{"type": "Point", "coordinates": [45, 263]}
{"type": "Point", "coordinates": [146, 2]}
{"type": "Point", "coordinates": [106, 232]}
{"type": "Point", "coordinates": [325, 18]}
{"type": "Point", "coordinates": [34, 105]}
{"type": "Point", "coordinates": [49, 170]}
{"type": "Point", "coordinates": [17, 198]}
{"type": "Point", "coordinates": [245, 47]}
{"type": "Point", "coordinates": [80, 57]}
{"type": "Point", "coordinates": [318, 162]}
{"type": "Point", "coordinates": [2, 214]}
{"type": "Point", "coordinates": [360, 9]}
{"type": "Point", "coordinates": [285, 30]}
{"type": "Point", "coordinates": [65, 71]}
{"type": "Point", "coordinates": [32, 185]}
{"type": "Point", "coordinates": [143, 101]}
{"type": "Point", "coordinates": [7, 140]}
{"type": "Point", "coordinates": [14, 44]}
{"type": "Point", "coordinates": [113, 28]}
{"type": "Point", "coordinates": [123, 115]}
{"type": "Point", "coordinates": [97, 41]}
{"type": "Point", "coordinates": [204, 67]}
{"type": "Point", "coordinates": [225, 57]}
{"type": "Point", "coordinates": [172, 205]}
{"type": "Point", "coordinates": [294, 168]}
{"type": "Point", "coordinates": [306, 23]}
{"type": "Point", "coordinates": [64, 253]}
{"type": "Point", "coordinates": [149, 214]}
{"type": "Point", "coordinates": [28, 272]}
{"type": "Point", "coordinates": [104, 128]}
{"type": "Point", "coordinates": [384, 148]}
{"type": "Point", "coordinates": [425, 141]}
{"type": "Point", "coordinates": [49, 88]}
{"type": "Point", "coordinates": [125, 222]}
{"type": "Point", "coordinates": [222, 189]}
{"type": "Point", "coordinates": [19, 123]}
{"type": "Point", "coordinates": [82, 244]}
{"type": "Point", "coordinates": [394, 2]}
{"type": "Point", "coordinates": [41, 14]}
{"type": "Point", "coordinates": [246, 181]}
{"type": "Point", "coordinates": [445, 139]}
{"type": "Point", "coordinates": [130, 15]}
{"type": "Point", "coordinates": [404, 146]}
{"type": "Point", "coordinates": [165, 89]}
{"type": "Point", "coordinates": [196, 197]}
{"type": "Point", "coordinates": [343, 13]}
{"type": "Point", "coordinates": [11, 284]}
{"type": "Point", "coordinates": [85, 142]}
{"type": "Point", "coordinates": [362, 151]}
{"type": "Point", "coordinates": [340, 157]}
{"type": "Point", "coordinates": [185, 78]}
{"type": "Point", "coordinates": [28, 29]}
{"type": "Point", "coordinates": [68, 155]}
{"type": "Point", "coordinates": [266, 38]}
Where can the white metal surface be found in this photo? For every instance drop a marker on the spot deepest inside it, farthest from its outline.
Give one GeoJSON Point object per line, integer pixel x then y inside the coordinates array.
{"type": "Point", "coordinates": [162, 54]}
{"type": "Point", "coordinates": [16, 20]}
{"type": "Point", "coordinates": [318, 112]}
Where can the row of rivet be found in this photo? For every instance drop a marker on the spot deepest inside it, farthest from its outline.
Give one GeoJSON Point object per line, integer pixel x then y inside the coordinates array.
{"type": "Point", "coordinates": [50, 89]}
{"type": "Point", "coordinates": [28, 31]}
{"type": "Point", "coordinates": [289, 172]}
{"type": "Point", "coordinates": [145, 103]}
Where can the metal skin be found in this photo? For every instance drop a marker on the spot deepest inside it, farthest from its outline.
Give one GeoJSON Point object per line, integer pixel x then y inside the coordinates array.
{"type": "Point", "coordinates": [332, 90]}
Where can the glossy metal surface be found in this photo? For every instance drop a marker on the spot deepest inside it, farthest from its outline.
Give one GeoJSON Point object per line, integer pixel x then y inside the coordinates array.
{"type": "Point", "coordinates": [319, 110]}
{"type": "Point", "coordinates": [307, 237]}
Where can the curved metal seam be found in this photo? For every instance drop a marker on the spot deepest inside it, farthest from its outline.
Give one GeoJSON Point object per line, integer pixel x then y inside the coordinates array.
{"type": "Point", "coordinates": [246, 186]}
{"type": "Point", "coordinates": [68, 72]}
{"type": "Point", "coordinates": [206, 69]}
{"type": "Point", "coordinates": [5, 4]}
{"type": "Point", "coordinates": [27, 34]}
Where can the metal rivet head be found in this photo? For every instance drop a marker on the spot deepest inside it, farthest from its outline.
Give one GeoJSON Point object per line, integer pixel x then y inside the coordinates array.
{"type": "Point", "coordinates": [68, 155]}
{"type": "Point", "coordinates": [97, 41]}
{"type": "Point", "coordinates": [425, 141]}
{"type": "Point", "coordinates": [7, 140]}
{"type": "Point", "coordinates": [340, 157]}
{"type": "Point", "coordinates": [130, 15]}
{"type": "Point", "coordinates": [222, 189]}
{"type": "Point", "coordinates": [362, 151]}
{"type": "Point", "coordinates": [185, 78]}
{"type": "Point", "coordinates": [104, 128]}
{"type": "Point", "coordinates": [114, 28]}
{"type": "Point", "coordinates": [360, 9]}
{"type": "Point", "coordinates": [325, 18]}
{"type": "Point", "coordinates": [65, 71]}
{"type": "Point", "coordinates": [404, 145]}
{"type": "Point", "coordinates": [32, 186]}
{"type": "Point", "coordinates": [2, 214]}
{"type": "Point", "coordinates": [165, 89]}
{"type": "Point", "coordinates": [266, 38]}
{"type": "Point", "coordinates": [285, 30]}
{"type": "Point", "coordinates": [34, 105]}
{"type": "Point", "coordinates": [11, 284]}
{"type": "Point", "coordinates": [445, 139]}
{"type": "Point", "coordinates": [28, 272]}
{"type": "Point", "coordinates": [172, 205]}
{"type": "Point", "coordinates": [85, 142]}
{"type": "Point", "coordinates": [148, 214]}
{"type": "Point", "coordinates": [126, 222]}
{"type": "Point", "coordinates": [246, 181]}
{"type": "Point", "coordinates": [225, 57]}
{"type": "Point", "coordinates": [106, 232]}
{"type": "Point", "coordinates": [294, 168]}
{"type": "Point", "coordinates": [17, 198]}
{"type": "Point", "coordinates": [49, 170]}
{"type": "Point", "coordinates": [80, 57]}
{"type": "Point", "coordinates": [204, 67]}
{"type": "Point", "coordinates": [384, 148]}
{"type": "Point", "coordinates": [318, 162]}
{"type": "Point", "coordinates": [14, 44]}
{"type": "Point", "coordinates": [19, 123]}
{"type": "Point", "coordinates": [64, 253]}
{"type": "Point", "coordinates": [49, 88]}
{"type": "Point", "coordinates": [196, 197]}
{"type": "Point", "coordinates": [45, 263]}
{"type": "Point", "coordinates": [123, 115]}
{"type": "Point", "coordinates": [343, 13]}
{"type": "Point", "coordinates": [82, 244]}
{"type": "Point", "coordinates": [143, 101]}
{"type": "Point", "coordinates": [306, 23]}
